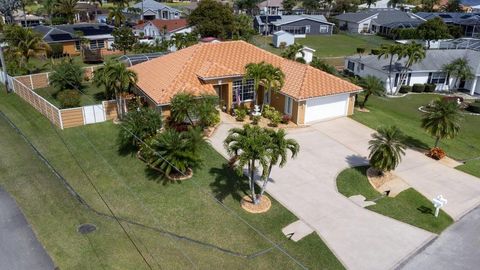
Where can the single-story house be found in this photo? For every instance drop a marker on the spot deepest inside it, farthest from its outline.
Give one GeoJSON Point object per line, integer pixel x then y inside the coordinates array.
{"type": "Point", "coordinates": [282, 37]}
{"type": "Point", "coordinates": [469, 22]}
{"type": "Point", "coordinates": [299, 25]}
{"type": "Point", "coordinates": [99, 35]}
{"type": "Point", "coordinates": [270, 7]}
{"type": "Point", "coordinates": [151, 9]}
{"type": "Point", "coordinates": [386, 4]}
{"type": "Point", "coordinates": [162, 29]}
{"type": "Point", "coordinates": [377, 21]}
{"type": "Point", "coordinates": [27, 20]}
{"type": "Point", "coordinates": [429, 70]}
{"type": "Point", "coordinates": [308, 94]}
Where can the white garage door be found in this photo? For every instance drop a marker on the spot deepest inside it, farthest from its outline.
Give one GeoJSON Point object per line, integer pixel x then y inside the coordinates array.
{"type": "Point", "coordinates": [326, 107]}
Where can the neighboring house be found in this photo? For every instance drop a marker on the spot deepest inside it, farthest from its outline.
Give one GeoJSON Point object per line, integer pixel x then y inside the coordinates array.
{"type": "Point", "coordinates": [280, 38]}
{"type": "Point", "coordinates": [99, 35]}
{"type": "Point", "coordinates": [150, 10]}
{"type": "Point", "coordinates": [385, 4]}
{"type": "Point", "coordinates": [429, 70]}
{"type": "Point", "coordinates": [377, 21]}
{"type": "Point", "coordinates": [28, 20]}
{"type": "Point", "coordinates": [270, 7]}
{"type": "Point", "coordinates": [470, 22]}
{"type": "Point", "coordinates": [298, 25]}
{"type": "Point", "coordinates": [87, 12]}
{"type": "Point", "coordinates": [308, 94]}
{"type": "Point", "coordinates": [162, 29]}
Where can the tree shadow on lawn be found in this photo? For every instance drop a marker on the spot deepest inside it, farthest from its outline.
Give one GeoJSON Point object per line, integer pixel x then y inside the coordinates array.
{"type": "Point", "coordinates": [228, 182]}
{"type": "Point", "coordinates": [158, 177]}
{"type": "Point", "coordinates": [416, 143]}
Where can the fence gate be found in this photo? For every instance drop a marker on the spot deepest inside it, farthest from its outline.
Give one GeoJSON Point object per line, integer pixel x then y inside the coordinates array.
{"type": "Point", "coordinates": [93, 114]}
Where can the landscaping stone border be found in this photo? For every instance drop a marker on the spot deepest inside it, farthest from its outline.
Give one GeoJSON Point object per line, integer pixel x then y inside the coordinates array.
{"type": "Point", "coordinates": [262, 207]}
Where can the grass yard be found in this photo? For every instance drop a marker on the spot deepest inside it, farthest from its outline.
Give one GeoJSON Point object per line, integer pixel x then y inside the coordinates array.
{"type": "Point", "coordinates": [337, 45]}
{"type": "Point", "coordinates": [404, 113]}
{"type": "Point", "coordinates": [91, 94]}
{"type": "Point", "coordinates": [45, 65]}
{"type": "Point", "coordinates": [186, 209]}
{"type": "Point", "coordinates": [409, 206]}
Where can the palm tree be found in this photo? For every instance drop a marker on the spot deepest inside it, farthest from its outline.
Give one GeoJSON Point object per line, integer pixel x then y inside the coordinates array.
{"type": "Point", "coordinates": [386, 148]}
{"type": "Point", "coordinates": [279, 148]}
{"type": "Point", "coordinates": [460, 69]}
{"type": "Point", "coordinates": [67, 9]}
{"type": "Point", "coordinates": [394, 3]}
{"type": "Point", "coordinates": [117, 79]}
{"type": "Point", "coordinates": [247, 146]}
{"type": "Point", "coordinates": [272, 78]}
{"type": "Point", "coordinates": [292, 51]}
{"type": "Point", "coordinates": [116, 15]}
{"type": "Point", "coordinates": [182, 107]}
{"type": "Point", "coordinates": [414, 52]}
{"type": "Point", "coordinates": [370, 3]}
{"type": "Point", "coordinates": [24, 42]}
{"type": "Point", "coordinates": [390, 51]}
{"type": "Point", "coordinates": [138, 126]}
{"type": "Point", "coordinates": [121, 3]}
{"type": "Point", "coordinates": [371, 86]}
{"type": "Point", "coordinates": [183, 40]}
{"type": "Point", "coordinates": [442, 120]}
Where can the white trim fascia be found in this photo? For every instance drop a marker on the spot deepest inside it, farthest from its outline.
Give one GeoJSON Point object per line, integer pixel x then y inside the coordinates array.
{"type": "Point", "coordinates": [305, 18]}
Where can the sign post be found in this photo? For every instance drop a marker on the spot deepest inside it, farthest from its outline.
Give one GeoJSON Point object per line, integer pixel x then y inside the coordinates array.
{"type": "Point", "coordinates": [438, 203]}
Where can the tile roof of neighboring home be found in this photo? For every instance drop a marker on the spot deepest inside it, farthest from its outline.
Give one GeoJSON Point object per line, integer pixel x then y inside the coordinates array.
{"type": "Point", "coordinates": [171, 25]}
{"type": "Point", "coordinates": [186, 70]}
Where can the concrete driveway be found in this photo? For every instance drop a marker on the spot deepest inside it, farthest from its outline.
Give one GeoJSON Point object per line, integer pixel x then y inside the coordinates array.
{"type": "Point", "coordinates": [360, 238]}
{"type": "Point", "coordinates": [19, 248]}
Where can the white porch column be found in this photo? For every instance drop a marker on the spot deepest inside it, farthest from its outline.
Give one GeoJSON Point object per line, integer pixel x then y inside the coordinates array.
{"type": "Point", "coordinates": [474, 85]}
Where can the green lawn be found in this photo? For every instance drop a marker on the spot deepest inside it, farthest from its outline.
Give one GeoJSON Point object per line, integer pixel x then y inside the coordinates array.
{"type": "Point", "coordinates": [329, 46]}
{"type": "Point", "coordinates": [91, 94]}
{"type": "Point", "coordinates": [186, 209]}
{"type": "Point", "coordinates": [404, 113]}
{"type": "Point", "coordinates": [409, 206]}
{"type": "Point", "coordinates": [45, 65]}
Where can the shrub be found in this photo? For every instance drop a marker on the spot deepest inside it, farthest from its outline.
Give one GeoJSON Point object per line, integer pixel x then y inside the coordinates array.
{"type": "Point", "coordinates": [282, 45]}
{"type": "Point", "coordinates": [207, 112]}
{"type": "Point", "coordinates": [255, 119]}
{"type": "Point", "coordinates": [405, 89]}
{"type": "Point", "coordinates": [360, 50]}
{"type": "Point", "coordinates": [474, 107]}
{"type": "Point", "coordinates": [56, 50]}
{"type": "Point", "coordinates": [453, 98]}
{"type": "Point", "coordinates": [66, 75]}
{"type": "Point", "coordinates": [430, 87]}
{"type": "Point", "coordinates": [139, 124]}
{"type": "Point", "coordinates": [275, 119]}
{"type": "Point", "coordinates": [69, 98]}
{"type": "Point", "coordinates": [286, 118]}
{"type": "Point", "coordinates": [268, 111]}
{"type": "Point", "coordinates": [436, 153]}
{"type": "Point", "coordinates": [375, 51]}
{"type": "Point", "coordinates": [418, 88]}
{"type": "Point", "coordinates": [240, 114]}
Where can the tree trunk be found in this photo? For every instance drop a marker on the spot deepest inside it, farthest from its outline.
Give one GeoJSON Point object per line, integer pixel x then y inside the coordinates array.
{"type": "Point", "coordinates": [119, 105]}
{"type": "Point", "coordinates": [390, 74]}
{"type": "Point", "coordinates": [265, 181]}
{"type": "Point", "coordinates": [252, 184]}
{"type": "Point", "coordinates": [436, 141]}
{"type": "Point", "coordinates": [455, 83]}
{"type": "Point", "coordinates": [365, 100]}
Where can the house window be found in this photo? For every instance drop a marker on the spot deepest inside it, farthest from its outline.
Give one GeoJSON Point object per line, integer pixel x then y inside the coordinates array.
{"type": "Point", "coordinates": [362, 66]}
{"type": "Point", "coordinates": [296, 30]}
{"type": "Point", "coordinates": [438, 78]}
{"type": "Point", "coordinates": [307, 29]}
{"type": "Point", "coordinates": [351, 66]}
{"type": "Point", "coordinates": [244, 89]}
{"type": "Point", "coordinates": [323, 29]}
{"type": "Point", "coordinates": [77, 45]}
{"type": "Point", "coordinates": [288, 105]}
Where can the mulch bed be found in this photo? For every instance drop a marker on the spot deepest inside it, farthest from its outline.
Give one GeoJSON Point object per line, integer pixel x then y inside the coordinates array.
{"type": "Point", "coordinates": [262, 207]}
{"type": "Point", "coordinates": [377, 180]}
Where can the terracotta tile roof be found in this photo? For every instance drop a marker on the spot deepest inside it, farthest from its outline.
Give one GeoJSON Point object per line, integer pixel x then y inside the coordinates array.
{"type": "Point", "coordinates": [171, 25]}
{"type": "Point", "coordinates": [186, 70]}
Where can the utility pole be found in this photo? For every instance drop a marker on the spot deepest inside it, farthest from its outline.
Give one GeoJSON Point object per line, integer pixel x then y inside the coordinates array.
{"type": "Point", "coordinates": [4, 69]}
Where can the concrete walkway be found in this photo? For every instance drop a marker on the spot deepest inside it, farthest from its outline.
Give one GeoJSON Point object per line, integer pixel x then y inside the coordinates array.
{"type": "Point", "coordinates": [456, 248]}
{"type": "Point", "coordinates": [19, 248]}
{"type": "Point", "coordinates": [360, 238]}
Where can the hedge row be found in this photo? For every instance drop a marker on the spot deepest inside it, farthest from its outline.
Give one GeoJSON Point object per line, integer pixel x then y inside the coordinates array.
{"type": "Point", "coordinates": [417, 88]}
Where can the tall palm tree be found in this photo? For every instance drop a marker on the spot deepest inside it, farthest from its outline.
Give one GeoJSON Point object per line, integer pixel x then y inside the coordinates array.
{"type": "Point", "coordinates": [460, 69]}
{"type": "Point", "coordinates": [371, 86]}
{"type": "Point", "coordinates": [67, 9]}
{"type": "Point", "coordinates": [121, 3]}
{"type": "Point", "coordinates": [390, 51]}
{"type": "Point", "coordinates": [271, 77]}
{"type": "Point", "coordinates": [247, 146]}
{"type": "Point", "coordinates": [386, 148]}
{"type": "Point", "coordinates": [292, 51]}
{"type": "Point", "coordinates": [24, 42]}
{"type": "Point", "coordinates": [442, 120]}
{"type": "Point", "coordinates": [182, 107]}
{"type": "Point", "coordinates": [117, 15]}
{"type": "Point", "coordinates": [414, 52]}
{"type": "Point", "coordinates": [279, 148]}
{"type": "Point", "coordinates": [117, 79]}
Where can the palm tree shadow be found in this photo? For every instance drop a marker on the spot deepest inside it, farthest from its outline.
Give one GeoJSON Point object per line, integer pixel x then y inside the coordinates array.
{"type": "Point", "coordinates": [228, 183]}
{"type": "Point", "coordinates": [416, 143]}
{"type": "Point", "coordinates": [158, 177]}
{"type": "Point", "coordinates": [356, 160]}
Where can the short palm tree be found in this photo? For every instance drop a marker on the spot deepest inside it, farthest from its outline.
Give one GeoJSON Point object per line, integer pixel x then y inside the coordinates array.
{"type": "Point", "coordinates": [247, 146]}
{"type": "Point", "coordinates": [274, 78]}
{"type": "Point", "coordinates": [292, 51]}
{"type": "Point", "coordinates": [67, 9]}
{"type": "Point", "coordinates": [390, 51]}
{"type": "Point", "coordinates": [182, 106]}
{"type": "Point", "coordinates": [460, 69]}
{"type": "Point", "coordinates": [386, 148]}
{"type": "Point", "coordinates": [117, 15]}
{"type": "Point", "coordinates": [271, 77]}
{"type": "Point", "coordinates": [279, 148]}
{"type": "Point", "coordinates": [24, 42]}
{"type": "Point", "coordinates": [138, 126]}
{"type": "Point", "coordinates": [371, 86]}
{"type": "Point", "coordinates": [183, 40]}
{"type": "Point", "coordinates": [442, 119]}
{"type": "Point", "coordinates": [117, 79]}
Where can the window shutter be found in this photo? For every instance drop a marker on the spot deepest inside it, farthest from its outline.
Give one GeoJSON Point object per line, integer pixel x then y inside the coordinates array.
{"type": "Point", "coordinates": [429, 77]}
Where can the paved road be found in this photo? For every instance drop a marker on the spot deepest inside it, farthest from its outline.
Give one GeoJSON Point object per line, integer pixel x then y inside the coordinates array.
{"type": "Point", "coordinates": [19, 248]}
{"type": "Point", "coordinates": [456, 248]}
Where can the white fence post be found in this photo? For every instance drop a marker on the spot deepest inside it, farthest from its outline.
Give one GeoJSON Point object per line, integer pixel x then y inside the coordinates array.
{"type": "Point", "coordinates": [31, 81]}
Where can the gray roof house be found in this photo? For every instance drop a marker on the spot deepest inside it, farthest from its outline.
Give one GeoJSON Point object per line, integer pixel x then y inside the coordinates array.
{"type": "Point", "coordinates": [377, 21]}
{"type": "Point", "coordinates": [470, 22]}
{"type": "Point", "coordinates": [429, 70]}
{"type": "Point", "coordinates": [150, 10]}
{"type": "Point", "coordinates": [298, 25]}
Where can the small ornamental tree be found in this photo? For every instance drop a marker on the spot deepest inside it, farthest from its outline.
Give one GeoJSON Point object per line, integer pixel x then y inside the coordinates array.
{"type": "Point", "coordinates": [432, 30]}
{"type": "Point", "coordinates": [386, 148]}
{"type": "Point", "coordinates": [137, 126]}
{"type": "Point", "coordinates": [442, 120]}
{"type": "Point", "coordinates": [212, 19]}
{"type": "Point", "coordinates": [123, 39]}
{"type": "Point", "coordinates": [66, 75]}
{"type": "Point", "coordinates": [371, 86]}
